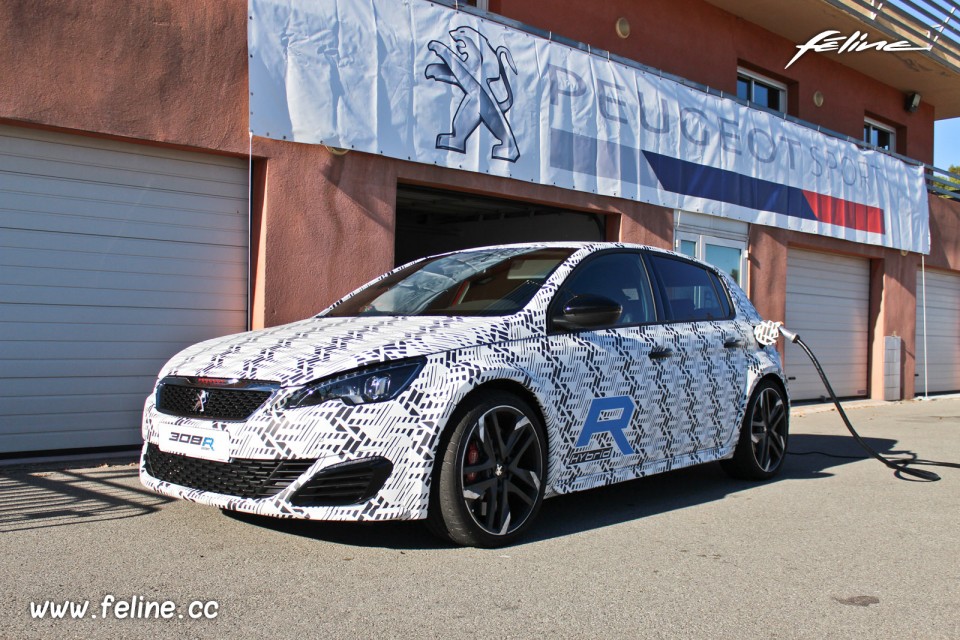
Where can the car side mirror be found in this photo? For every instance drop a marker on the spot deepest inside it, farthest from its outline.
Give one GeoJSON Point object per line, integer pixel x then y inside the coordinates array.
{"type": "Point", "coordinates": [588, 312]}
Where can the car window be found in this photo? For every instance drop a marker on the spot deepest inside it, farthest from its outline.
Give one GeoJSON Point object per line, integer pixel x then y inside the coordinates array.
{"type": "Point", "coordinates": [620, 277]}
{"type": "Point", "coordinates": [469, 283]}
{"type": "Point", "coordinates": [689, 291]}
{"type": "Point", "coordinates": [724, 296]}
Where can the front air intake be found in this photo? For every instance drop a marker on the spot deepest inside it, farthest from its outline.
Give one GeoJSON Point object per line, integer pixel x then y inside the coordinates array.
{"type": "Point", "coordinates": [344, 484]}
{"type": "Point", "coordinates": [240, 478]}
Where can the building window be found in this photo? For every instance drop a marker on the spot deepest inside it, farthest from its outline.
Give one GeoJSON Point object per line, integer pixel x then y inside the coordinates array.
{"type": "Point", "coordinates": [727, 255]}
{"type": "Point", "coordinates": [761, 90]}
{"type": "Point", "coordinates": [879, 135]}
{"type": "Point", "coordinates": [720, 241]}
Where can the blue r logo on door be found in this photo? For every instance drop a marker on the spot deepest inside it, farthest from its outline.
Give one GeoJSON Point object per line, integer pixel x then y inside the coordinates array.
{"type": "Point", "coordinates": [610, 415]}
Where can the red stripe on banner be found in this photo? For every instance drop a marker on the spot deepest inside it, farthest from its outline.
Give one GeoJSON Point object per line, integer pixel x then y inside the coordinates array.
{"type": "Point", "coordinates": [844, 213]}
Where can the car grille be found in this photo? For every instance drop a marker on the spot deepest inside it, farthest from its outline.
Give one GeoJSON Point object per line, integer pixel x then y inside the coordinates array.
{"type": "Point", "coordinates": [241, 478]}
{"type": "Point", "coordinates": [218, 404]}
{"type": "Point", "coordinates": [348, 483]}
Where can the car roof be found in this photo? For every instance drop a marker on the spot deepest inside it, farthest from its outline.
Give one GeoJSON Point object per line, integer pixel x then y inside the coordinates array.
{"type": "Point", "coordinates": [593, 246]}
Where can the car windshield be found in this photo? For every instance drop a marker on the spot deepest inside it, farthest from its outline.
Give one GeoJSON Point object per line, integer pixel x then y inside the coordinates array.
{"type": "Point", "coordinates": [490, 282]}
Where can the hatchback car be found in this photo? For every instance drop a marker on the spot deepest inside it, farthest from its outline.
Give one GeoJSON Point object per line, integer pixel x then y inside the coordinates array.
{"type": "Point", "coordinates": [467, 387]}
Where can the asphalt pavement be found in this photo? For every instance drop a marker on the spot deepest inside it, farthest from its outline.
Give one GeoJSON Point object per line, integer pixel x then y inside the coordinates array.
{"type": "Point", "coordinates": [833, 548]}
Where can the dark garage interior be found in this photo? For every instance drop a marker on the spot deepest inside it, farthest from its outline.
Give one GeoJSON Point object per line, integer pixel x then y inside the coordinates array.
{"type": "Point", "coordinates": [431, 221]}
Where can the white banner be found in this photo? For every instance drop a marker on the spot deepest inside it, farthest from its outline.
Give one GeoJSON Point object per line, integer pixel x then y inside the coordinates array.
{"type": "Point", "coordinates": [419, 81]}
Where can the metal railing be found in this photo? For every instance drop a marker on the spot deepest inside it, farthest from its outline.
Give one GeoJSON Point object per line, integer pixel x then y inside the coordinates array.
{"type": "Point", "coordinates": [943, 183]}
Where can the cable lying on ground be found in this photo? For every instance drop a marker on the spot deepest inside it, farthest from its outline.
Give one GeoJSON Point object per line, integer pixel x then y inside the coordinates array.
{"type": "Point", "coordinates": [766, 333]}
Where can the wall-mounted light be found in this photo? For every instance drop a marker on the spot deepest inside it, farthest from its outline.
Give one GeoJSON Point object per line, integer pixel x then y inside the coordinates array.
{"type": "Point", "coordinates": [912, 103]}
{"type": "Point", "coordinates": [818, 98]}
{"type": "Point", "coordinates": [623, 27]}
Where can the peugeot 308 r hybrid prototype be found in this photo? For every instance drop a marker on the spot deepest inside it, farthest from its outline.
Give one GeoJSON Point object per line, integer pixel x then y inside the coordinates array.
{"type": "Point", "coordinates": [465, 388]}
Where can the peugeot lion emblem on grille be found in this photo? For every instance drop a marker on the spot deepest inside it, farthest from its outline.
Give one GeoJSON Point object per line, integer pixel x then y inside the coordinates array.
{"type": "Point", "coordinates": [201, 402]}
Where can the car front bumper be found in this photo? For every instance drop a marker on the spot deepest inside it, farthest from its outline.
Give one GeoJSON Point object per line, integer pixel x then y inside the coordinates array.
{"type": "Point", "coordinates": [301, 464]}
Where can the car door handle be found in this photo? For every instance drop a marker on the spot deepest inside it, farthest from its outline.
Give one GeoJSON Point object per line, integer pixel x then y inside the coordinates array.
{"type": "Point", "coordinates": [732, 343]}
{"type": "Point", "coordinates": [660, 353]}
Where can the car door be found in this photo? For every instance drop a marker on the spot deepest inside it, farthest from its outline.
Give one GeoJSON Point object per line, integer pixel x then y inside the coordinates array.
{"type": "Point", "coordinates": [706, 373]}
{"type": "Point", "coordinates": [607, 381]}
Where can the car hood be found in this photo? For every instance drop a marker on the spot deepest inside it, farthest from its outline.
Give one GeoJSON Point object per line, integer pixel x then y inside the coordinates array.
{"type": "Point", "coordinates": [297, 353]}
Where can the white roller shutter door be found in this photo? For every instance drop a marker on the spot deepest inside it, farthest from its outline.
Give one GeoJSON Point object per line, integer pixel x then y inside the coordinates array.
{"type": "Point", "coordinates": [943, 332]}
{"type": "Point", "coordinates": [828, 304]}
{"type": "Point", "coordinates": [113, 257]}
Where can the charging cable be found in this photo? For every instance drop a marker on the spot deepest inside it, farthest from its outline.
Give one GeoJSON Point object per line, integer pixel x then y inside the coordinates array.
{"type": "Point", "coordinates": [767, 332]}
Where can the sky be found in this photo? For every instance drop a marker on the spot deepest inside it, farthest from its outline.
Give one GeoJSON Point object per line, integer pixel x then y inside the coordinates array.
{"type": "Point", "coordinates": [946, 143]}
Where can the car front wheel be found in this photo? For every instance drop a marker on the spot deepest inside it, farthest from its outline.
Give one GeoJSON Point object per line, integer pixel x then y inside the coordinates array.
{"type": "Point", "coordinates": [491, 478]}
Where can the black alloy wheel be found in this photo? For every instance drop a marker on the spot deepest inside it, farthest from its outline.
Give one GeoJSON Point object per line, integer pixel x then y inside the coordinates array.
{"type": "Point", "coordinates": [491, 480]}
{"type": "Point", "coordinates": [768, 430]}
{"type": "Point", "coordinates": [762, 446]}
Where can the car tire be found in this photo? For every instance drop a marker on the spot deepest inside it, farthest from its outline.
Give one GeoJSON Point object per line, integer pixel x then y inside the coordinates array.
{"type": "Point", "coordinates": [491, 477]}
{"type": "Point", "coordinates": [762, 445]}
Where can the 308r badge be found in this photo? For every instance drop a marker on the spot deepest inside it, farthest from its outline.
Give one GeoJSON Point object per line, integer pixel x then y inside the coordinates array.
{"type": "Point", "coordinates": [206, 444]}
{"type": "Point", "coordinates": [464, 389]}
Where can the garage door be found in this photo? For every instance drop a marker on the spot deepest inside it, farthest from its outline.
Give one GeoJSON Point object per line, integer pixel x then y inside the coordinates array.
{"type": "Point", "coordinates": [113, 257]}
{"type": "Point", "coordinates": [828, 304]}
{"type": "Point", "coordinates": [943, 329]}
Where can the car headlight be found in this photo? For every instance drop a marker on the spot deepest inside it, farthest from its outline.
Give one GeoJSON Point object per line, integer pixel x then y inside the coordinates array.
{"type": "Point", "coordinates": [363, 386]}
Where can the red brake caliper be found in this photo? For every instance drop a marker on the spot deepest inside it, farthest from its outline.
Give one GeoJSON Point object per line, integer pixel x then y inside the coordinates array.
{"type": "Point", "coordinates": [473, 456]}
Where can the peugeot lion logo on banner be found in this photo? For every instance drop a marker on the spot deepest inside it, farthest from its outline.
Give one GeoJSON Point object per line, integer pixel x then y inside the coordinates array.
{"type": "Point", "coordinates": [478, 70]}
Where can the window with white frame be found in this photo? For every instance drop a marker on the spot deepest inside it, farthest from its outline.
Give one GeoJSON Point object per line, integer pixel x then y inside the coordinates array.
{"type": "Point", "coordinates": [761, 90]}
{"type": "Point", "coordinates": [879, 135]}
{"type": "Point", "coordinates": [721, 242]}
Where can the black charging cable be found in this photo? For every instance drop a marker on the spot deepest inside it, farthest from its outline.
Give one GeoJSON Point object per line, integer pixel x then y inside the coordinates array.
{"type": "Point", "coordinates": [898, 466]}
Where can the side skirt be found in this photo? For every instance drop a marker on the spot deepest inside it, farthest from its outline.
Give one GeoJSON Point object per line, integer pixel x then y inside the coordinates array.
{"type": "Point", "coordinates": [650, 468]}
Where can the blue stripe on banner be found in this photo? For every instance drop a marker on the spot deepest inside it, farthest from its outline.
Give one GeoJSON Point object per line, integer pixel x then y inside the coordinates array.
{"type": "Point", "coordinates": [601, 158]}
{"type": "Point", "coordinates": [692, 179]}
{"type": "Point", "coordinates": [607, 159]}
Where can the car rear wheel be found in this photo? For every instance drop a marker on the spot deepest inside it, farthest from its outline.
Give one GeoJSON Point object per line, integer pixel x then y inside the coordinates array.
{"type": "Point", "coordinates": [762, 446]}
{"type": "Point", "coordinates": [490, 483]}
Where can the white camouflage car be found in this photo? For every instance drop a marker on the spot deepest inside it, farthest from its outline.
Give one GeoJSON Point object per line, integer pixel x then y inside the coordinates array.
{"type": "Point", "coordinates": [465, 388]}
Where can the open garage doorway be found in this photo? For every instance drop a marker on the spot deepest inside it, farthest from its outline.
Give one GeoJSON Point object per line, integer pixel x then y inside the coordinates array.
{"type": "Point", "coordinates": [431, 221]}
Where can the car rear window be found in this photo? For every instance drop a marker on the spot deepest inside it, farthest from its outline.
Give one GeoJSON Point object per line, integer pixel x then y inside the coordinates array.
{"type": "Point", "coordinates": [691, 291]}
